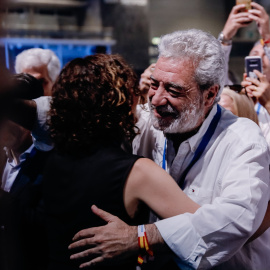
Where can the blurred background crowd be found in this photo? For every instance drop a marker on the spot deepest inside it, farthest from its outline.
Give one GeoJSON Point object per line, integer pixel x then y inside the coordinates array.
{"type": "Point", "coordinates": [132, 28]}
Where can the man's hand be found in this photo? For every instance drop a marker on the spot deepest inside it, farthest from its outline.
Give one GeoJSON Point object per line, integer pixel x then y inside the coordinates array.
{"type": "Point", "coordinates": [258, 88]}
{"type": "Point", "coordinates": [236, 20]}
{"type": "Point", "coordinates": [114, 243]}
{"type": "Point", "coordinates": [260, 16]}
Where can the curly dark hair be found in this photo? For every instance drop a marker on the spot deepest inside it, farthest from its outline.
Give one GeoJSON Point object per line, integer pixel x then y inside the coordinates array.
{"type": "Point", "coordinates": [92, 103]}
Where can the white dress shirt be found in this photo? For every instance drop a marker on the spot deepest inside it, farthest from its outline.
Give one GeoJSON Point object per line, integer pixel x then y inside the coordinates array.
{"type": "Point", "coordinates": [227, 51]}
{"type": "Point", "coordinates": [264, 121]}
{"type": "Point", "coordinates": [230, 181]}
{"type": "Point", "coordinates": [41, 136]}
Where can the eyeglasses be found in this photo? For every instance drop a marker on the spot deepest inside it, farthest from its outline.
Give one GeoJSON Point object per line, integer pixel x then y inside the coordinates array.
{"type": "Point", "coordinates": [238, 88]}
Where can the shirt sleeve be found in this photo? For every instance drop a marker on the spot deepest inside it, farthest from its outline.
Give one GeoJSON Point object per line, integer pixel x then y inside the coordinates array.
{"type": "Point", "coordinates": [40, 132]}
{"type": "Point", "coordinates": [227, 50]}
{"type": "Point", "coordinates": [218, 230]}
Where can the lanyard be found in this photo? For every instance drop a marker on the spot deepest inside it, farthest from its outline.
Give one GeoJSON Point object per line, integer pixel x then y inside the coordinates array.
{"type": "Point", "coordinates": [164, 156]}
{"type": "Point", "coordinates": [258, 109]}
{"type": "Point", "coordinates": [203, 144]}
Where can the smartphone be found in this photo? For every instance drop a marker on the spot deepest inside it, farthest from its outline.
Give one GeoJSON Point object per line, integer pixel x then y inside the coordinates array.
{"type": "Point", "coordinates": [246, 2]}
{"type": "Point", "coordinates": [251, 63]}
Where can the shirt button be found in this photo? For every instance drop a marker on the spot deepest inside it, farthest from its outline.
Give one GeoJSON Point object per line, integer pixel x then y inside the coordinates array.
{"type": "Point", "coordinates": [193, 149]}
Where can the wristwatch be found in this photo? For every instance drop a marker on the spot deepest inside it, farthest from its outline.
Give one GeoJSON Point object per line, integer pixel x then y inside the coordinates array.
{"type": "Point", "coordinates": [222, 39]}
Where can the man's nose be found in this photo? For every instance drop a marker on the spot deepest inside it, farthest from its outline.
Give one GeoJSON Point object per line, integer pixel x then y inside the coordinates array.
{"type": "Point", "coordinates": [159, 97]}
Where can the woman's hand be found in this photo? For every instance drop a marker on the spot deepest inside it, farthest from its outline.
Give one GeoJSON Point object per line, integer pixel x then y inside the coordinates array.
{"type": "Point", "coordinates": [260, 16]}
{"type": "Point", "coordinates": [237, 19]}
{"type": "Point", "coordinates": [258, 88]}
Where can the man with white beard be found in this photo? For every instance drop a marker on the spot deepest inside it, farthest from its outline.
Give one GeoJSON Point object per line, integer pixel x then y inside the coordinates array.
{"type": "Point", "coordinates": [210, 154]}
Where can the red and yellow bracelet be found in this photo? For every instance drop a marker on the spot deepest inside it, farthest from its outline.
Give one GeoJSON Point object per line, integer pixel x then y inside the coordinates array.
{"type": "Point", "coordinates": [143, 245]}
{"type": "Point", "coordinates": [263, 42]}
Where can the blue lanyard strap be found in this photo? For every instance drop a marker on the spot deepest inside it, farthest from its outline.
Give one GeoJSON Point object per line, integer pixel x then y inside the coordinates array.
{"type": "Point", "coordinates": [203, 144]}
{"type": "Point", "coordinates": [258, 108]}
{"type": "Point", "coordinates": [164, 155]}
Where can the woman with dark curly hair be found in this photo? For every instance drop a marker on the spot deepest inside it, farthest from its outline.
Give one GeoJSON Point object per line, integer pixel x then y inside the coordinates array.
{"type": "Point", "coordinates": [91, 116]}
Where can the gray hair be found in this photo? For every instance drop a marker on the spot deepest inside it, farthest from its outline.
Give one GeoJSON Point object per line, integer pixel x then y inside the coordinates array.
{"type": "Point", "coordinates": [203, 49]}
{"type": "Point", "coordinates": [38, 57]}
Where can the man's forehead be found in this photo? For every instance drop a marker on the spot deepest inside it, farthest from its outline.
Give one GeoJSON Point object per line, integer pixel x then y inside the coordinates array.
{"type": "Point", "coordinates": [173, 69]}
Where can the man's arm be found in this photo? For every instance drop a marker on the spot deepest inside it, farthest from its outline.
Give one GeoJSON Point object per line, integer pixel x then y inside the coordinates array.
{"type": "Point", "coordinates": [22, 102]}
{"type": "Point", "coordinates": [22, 112]}
{"type": "Point", "coordinates": [115, 242]}
{"type": "Point", "coordinates": [16, 99]}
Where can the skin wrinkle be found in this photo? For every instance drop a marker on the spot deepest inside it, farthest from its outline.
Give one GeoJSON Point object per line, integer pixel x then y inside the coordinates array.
{"type": "Point", "coordinates": [184, 121]}
{"type": "Point", "coordinates": [186, 116]}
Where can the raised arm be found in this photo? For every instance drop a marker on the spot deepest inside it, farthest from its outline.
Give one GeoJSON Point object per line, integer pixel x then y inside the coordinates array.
{"type": "Point", "coordinates": [260, 16]}
{"type": "Point", "coordinates": [237, 19]}
{"type": "Point", "coordinates": [16, 99]}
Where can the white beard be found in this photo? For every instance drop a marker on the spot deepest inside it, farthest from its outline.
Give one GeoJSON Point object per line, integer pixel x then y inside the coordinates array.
{"type": "Point", "coordinates": [184, 121]}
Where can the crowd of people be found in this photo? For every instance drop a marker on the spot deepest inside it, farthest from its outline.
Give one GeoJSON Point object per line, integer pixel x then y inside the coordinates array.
{"type": "Point", "coordinates": [106, 170]}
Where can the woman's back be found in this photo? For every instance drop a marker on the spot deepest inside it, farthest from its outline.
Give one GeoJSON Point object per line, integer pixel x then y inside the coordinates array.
{"type": "Point", "coordinates": [72, 185]}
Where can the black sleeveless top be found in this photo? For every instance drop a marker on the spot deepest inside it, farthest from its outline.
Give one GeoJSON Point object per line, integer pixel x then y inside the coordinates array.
{"type": "Point", "coordinates": [72, 185]}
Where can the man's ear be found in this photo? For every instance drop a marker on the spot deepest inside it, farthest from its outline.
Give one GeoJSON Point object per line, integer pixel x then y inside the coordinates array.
{"type": "Point", "coordinates": [210, 94]}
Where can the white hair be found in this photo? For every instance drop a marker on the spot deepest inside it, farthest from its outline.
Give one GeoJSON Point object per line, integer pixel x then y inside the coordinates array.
{"type": "Point", "coordinates": [38, 57]}
{"type": "Point", "coordinates": [203, 49]}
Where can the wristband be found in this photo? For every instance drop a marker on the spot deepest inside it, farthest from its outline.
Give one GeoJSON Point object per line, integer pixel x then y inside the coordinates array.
{"type": "Point", "coordinates": [143, 245]}
{"type": "Point", "coordinates": [263, 42]}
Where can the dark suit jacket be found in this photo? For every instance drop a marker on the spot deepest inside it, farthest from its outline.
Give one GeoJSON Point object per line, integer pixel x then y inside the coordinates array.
{"type": "Point", "coordinates": [23, 241]}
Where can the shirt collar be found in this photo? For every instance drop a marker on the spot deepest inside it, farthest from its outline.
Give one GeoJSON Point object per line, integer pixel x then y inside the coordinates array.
{"type": "Point", "coordinates": [22, 157]}
{"type": "Point", "coordinates": [195, 140]}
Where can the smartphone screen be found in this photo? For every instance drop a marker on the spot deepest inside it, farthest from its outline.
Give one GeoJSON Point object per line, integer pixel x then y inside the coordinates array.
{"type": "Point", "coordinates": [253, 63]}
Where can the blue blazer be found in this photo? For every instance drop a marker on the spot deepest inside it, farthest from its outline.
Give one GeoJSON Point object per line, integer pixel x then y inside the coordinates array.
{"type": "Point", "coordinates": [23, 241]}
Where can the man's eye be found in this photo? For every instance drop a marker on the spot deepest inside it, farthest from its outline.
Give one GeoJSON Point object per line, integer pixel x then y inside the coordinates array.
{"type": "Point", "coordinates": [174, 93]}
{"type": "Point", "coordinates": [154, 86]}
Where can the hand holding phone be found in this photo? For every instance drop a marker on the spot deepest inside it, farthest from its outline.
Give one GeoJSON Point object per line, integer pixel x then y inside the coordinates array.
{"type": "Point", "coordinates": [246, 2]}
{"type": "Point", "coordinates": [253, 63]}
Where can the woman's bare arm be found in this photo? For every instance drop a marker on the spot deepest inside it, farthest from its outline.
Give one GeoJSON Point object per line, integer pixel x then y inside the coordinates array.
{"type": "Point", "coordinates": [149, 183]}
